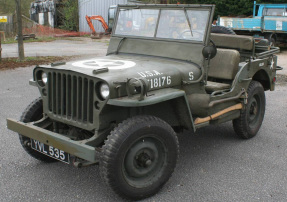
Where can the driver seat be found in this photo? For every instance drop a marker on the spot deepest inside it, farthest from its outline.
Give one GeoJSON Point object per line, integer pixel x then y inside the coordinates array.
{"type": "Point", "coordinates": [222, 70]}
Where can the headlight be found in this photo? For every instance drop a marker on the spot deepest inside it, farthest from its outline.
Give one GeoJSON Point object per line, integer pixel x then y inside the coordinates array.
{"type": "Point", "coordinates": [104, 90]}
{"type": "Point", "coordinates": [44, 78]}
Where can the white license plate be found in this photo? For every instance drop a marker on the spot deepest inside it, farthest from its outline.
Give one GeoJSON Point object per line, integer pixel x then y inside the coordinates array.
{"type": "Point", "coordinates": [50, 151]}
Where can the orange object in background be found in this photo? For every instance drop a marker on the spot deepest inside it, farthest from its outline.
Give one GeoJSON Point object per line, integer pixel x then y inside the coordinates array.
{"type": "Point", "coordinates": [99, 18]}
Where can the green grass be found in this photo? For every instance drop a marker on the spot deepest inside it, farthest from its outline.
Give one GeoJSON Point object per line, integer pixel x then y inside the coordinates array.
{"type": "Point", "coordinates": [28, 59]}
{"type": "Point", "coordinates": [35, 59]}
{"type": "Point", "coordinates": [11, 63]}
{"type": "Point", "coordinates": [49, 39]}
{"type": "Point", "coordinates": [39, 39]}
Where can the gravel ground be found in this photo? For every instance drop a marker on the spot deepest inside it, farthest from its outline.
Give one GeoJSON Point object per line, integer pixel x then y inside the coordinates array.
{"type": "Point", "coordinates": [282, 61]}
{"type": "Point", "coordinates": [72, 46]}
{"type": "Point", "coordinates": [214, 165]}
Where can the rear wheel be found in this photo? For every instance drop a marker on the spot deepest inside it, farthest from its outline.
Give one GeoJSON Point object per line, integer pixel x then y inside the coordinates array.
{"type": "Point", "coordinates": [271, 39]}
{"type": "Point", "coordinates": [139, 157]}
{"type": "Point", "coordinates": [272, 42]}
{"type": "Point", "coordinates": [33, 112]}
{"type": "Point", "coordinates": [251, 118]}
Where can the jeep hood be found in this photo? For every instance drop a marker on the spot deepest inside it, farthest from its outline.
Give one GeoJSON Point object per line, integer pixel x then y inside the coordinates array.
{"type": "Point", "coordinates": [121, 67]}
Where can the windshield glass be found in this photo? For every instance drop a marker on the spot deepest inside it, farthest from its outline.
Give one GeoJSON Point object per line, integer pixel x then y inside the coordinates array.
{"type": "Point", "coordinates": [274, 12]}
{"type": "Point", "coordinates": [137, 22]}
{"type": "Point", "coordinates": [165, 23]}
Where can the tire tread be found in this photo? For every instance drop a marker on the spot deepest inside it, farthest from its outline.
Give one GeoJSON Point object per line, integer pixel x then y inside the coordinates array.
{"type": "Point", "coordinates": [239, 124]}
{"type": "Point", "coordinates": [31, 113]}
{"type": "Point", "coordinates": [110, 148]}
{"type": "Point", "coordinates": [222, 30]}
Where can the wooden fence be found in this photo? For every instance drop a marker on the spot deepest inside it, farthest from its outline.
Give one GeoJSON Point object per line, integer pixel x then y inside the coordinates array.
{"type": "Point", "coordinates": [9, 26]}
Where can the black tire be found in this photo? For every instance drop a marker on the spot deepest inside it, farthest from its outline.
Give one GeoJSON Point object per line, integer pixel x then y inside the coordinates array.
{"type": "Point", "coordinates": [273, 42]}
{"type": "Point", "coordinates": [222, 30]}
{"type": "Point", "coordinates": [33, 112]}
{"type": "Point", "coordinates": [139, 157]}
{"type": "Point", "coordinates": [251, 118]}
{"type": "Point", "coordinates": [272, 39]}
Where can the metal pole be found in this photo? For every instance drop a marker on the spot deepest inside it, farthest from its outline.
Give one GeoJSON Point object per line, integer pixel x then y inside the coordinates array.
{"type": "Point", "coordinates": [20, 34]}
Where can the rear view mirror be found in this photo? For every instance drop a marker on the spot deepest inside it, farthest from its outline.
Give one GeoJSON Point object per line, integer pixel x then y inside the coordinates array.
{"type": "Point", "coordinates": [209, 51]}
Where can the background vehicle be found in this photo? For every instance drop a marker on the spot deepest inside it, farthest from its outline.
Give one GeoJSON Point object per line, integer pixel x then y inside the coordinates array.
{"type": "Point", "coordinates": [164, 72]}
{"type": "Point", "coordinates": [107, 26]}
{"type": "Point", "coordinates": [269, 21]}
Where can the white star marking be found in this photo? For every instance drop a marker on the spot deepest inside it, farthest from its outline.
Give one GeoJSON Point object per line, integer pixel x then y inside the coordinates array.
{"type": "Point", "coordinates": [102, 63]}
{"type": "Point", "coordinates": [272, 63]}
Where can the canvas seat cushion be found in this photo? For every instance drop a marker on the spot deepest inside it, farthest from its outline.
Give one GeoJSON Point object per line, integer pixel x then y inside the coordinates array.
{"type": "Point", "coordinates": [215, 86]}
{"type": "Point", "coordinates": [225, 64]}
{"type": "Point", "coordinates": [233, 41]}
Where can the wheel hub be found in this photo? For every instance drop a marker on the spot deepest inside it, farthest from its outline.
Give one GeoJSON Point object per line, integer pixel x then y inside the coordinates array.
{"type": "Point", "coordinates": [254, 111]}
{"type": "Point", "coordinates": [253, 108]}
{"type": "Point", "coordinates": [143, 160]}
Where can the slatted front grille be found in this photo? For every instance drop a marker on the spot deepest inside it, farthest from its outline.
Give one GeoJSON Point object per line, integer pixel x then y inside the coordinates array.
{"type": "Point", "coordinates": [71, 97]}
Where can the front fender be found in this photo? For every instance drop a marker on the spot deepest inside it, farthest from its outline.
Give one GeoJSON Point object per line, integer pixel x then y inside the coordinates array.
{"type": "Point", "coordinates": [178, 98]}
{"type": "Point", "coordinates": [153, 97]}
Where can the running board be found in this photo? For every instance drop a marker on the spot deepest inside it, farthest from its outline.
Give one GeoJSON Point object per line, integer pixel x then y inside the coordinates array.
{"type": "Point", "coordinates": [214, 116]}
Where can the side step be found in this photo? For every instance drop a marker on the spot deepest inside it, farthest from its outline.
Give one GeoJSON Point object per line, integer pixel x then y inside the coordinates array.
{"type": "Point", "coordinates": [213, 116]}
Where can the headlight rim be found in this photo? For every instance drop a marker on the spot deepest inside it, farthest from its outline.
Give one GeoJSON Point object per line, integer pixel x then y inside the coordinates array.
{"type": "Point", "coordinates": [39, 78]}
{"type": "Point", "coordinates": [44, 79]}
{"type": "Point", "coordinates": [103, 95]}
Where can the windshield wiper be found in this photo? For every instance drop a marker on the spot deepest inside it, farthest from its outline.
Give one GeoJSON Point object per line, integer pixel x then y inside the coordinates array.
{"type": "Point", "coordinates": [188, 22]}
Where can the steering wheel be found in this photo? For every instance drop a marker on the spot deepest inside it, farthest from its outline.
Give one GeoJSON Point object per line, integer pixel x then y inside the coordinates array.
{"type": "Point", "coordinates": [196, 35]}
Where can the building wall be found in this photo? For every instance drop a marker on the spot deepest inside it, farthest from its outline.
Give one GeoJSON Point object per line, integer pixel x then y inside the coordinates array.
{"type": "Point", "coordinates": [95, 7]}
{"type": "Point", "coordinates": [43, 12]}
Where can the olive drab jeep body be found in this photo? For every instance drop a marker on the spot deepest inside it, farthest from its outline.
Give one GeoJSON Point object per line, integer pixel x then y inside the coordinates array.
{"type": "Point", "coordinates": [164, 71]}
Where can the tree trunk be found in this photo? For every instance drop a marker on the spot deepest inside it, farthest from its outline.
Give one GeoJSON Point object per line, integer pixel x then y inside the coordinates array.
{"type": "Point", "coordinates": [20, 33]}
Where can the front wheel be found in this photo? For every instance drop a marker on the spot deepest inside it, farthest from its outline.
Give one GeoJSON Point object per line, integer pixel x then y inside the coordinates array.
{"type": "Point", "coordinates": [251, 118]}
{"type": "Point", "coordinates": [139, 157]}
{"type": "Point", "coordinates": [33, 112]}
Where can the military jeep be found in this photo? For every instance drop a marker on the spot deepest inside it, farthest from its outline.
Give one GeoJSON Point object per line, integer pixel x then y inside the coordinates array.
{"type": "Point", "coordinates": [164, 72]}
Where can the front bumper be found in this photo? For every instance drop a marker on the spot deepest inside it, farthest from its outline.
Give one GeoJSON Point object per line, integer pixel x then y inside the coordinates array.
{"type": "Point", "coordinates": [75, 148]}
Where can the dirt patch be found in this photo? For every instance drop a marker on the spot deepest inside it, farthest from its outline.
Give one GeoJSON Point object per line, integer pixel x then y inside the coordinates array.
{"type": "Point", "coordinates": [12, 63]}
